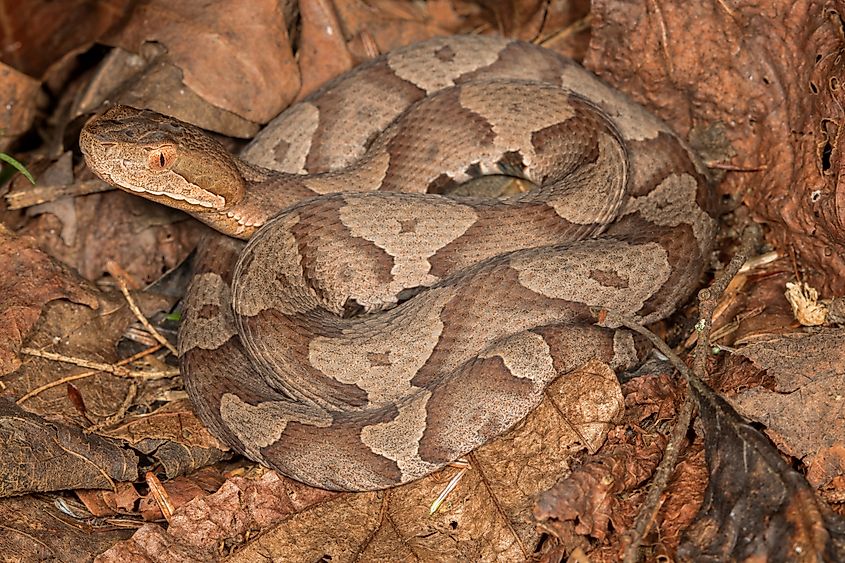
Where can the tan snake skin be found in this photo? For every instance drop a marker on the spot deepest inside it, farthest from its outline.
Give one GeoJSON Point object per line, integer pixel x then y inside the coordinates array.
{"type": "Point", "coordinates": [365, 338]}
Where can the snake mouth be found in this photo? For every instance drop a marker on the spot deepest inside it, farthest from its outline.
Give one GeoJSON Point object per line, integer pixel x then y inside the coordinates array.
{"type": "Point", "coordinates": [211, 203]}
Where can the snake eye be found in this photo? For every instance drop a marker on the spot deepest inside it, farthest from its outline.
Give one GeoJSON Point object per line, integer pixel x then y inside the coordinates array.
{"type": "Point", "coordinates": [160, 158]}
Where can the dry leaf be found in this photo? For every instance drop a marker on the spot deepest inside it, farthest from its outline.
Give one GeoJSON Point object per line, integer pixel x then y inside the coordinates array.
{"type": "Point", "coordinates": [173, 436]}
{"type": "Point", "coordinates": [488, 515]}
{"type": "Point", "coordinates": [756, 507]}
{"type": "Point", "coordinates": [322, 48]}
{"type": "Point", "coordinates": [781, 75]}
{"type": "Point", "coordinates": [42, 529]}
{"type": "Point", "coordinates": [29, 279]}
{"type": "Point", "coordinates": [18, 92]}
{"type": "Point", "coordinates": [803, 411]}
{"type": "Point", "coordinates": [235, 55]}
{"type": "Point", "coordinates": [49, 456]}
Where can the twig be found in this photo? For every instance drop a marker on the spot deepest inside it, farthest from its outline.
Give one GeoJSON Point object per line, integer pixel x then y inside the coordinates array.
{"type": "Point", "coordinates": [120, 275]}
{"type": "Point", "coordinates": [464, 466]}
{"type": "Point", "coordinates": [39, 194]}
{"type": "Point", "coordinates": [159, 494]}
{"type": "Point", "coordinates": [575, 27]}
{"type": "Point", "coordinates": [727, 9]}
{"type": "Point", "coordinates": [734, 167]}
{"type": "Point", "coordinates": [708, 299]}
{"type": "Point", "coordinates": [96, 367]}
{"type": "Point", "coordinates": [664, 38]}
{"type": "Point", "coordinates": [131, 393]}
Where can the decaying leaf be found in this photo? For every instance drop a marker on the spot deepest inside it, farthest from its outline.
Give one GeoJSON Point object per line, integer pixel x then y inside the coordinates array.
{"type": "Point", "coordinates": [48, 456]}
{"type": "Point", "coordinates": [29, 279]}
{"type": "Point", "coordinates": [756, 507]}
{"type": "Point", "coordinates": [173, 436]}
{"type": "Point", "coordinates": [585, 502]}
{"type": "Point", "coordinates": [51, 529]}
{"type": "Point", "coordinates": [802, 412]}
{"type": "Point", "coordinates": [236, 56]}
{"type": "Point", "coordinates": [781, 79]}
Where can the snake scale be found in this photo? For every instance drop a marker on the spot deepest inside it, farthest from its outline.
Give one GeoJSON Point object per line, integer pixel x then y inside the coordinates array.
{"type": "Point", "coordinates": [373, 329]}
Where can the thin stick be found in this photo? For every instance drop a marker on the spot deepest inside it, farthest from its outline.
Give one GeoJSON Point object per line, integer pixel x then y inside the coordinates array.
{"type": "Point", "coordinates": [117, 415]}
{"type": "Point", "coordinates": [120, 275]}
{"type": "Point", "coordinates": [734, 167]}
{"type": "Point", "coordinates": [708, 299]}
{"type": "Point", "coordinates": [95, 367]}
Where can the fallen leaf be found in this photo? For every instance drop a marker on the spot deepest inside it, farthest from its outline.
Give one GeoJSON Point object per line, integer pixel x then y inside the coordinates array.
{"type": "Point", "coordinates": [802, 412]}
{"type": "Point", "coordinates": [86, 232]}
{"type": "Point", "coordinates": [322, 48]}
{"type": "Point", "coordinates": [41, 529]}
{"type": "Point", "coordinates": [588, 497]}
{"type": "Point", "coordinates": [35, 36]}
{"type": "Point", "coordinates": [488, 515]}
{"type": "Point", "coordinates": [782, 75]}
{"type": "Point", "coordinates": [173, 436]}
{"type": "Point", "coordinates": [236, 56]}
{"type": "Point", "coordinates": [756, 507]}
{"type": "Point", "coordinates": [39, 455]}
{"type": "Point", "coordinates": [18, 91]}
{"type": "Point", "coordinates": [29, 279]}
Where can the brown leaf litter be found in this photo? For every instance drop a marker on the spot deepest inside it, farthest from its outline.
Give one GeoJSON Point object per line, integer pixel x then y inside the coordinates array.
{"type": "Point", "coordinates": [757, 90]}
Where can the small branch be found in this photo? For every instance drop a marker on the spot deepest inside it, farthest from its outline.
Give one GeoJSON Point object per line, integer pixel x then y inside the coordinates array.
{"type": "Point", "coordinates": [96, 368]}
{"type": "Point", "coordinates": [708, 299]}
{"type": "Point", "coordinates": [36, 195]}
{"type": "Point", "coordinates": [664, 38]}
{"type": "Point", "coordinates": [718, 165]}
{"type": "Point", "coordinates": [121, 276]}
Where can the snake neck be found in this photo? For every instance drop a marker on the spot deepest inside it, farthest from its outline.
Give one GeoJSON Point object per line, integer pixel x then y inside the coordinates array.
{"type": "Point", "coordinates": [266, 193]}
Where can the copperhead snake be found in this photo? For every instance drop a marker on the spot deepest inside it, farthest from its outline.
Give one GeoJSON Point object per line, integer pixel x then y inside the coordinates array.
{"type": "Point", "coordinates": [372, 329]}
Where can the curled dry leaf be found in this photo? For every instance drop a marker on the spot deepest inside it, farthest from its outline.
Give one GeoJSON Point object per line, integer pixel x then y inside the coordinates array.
{"type": "Point", "coordinates": [488, 515]}
{"type": "Point", "coordinates": [28, 280]}
{"type": "Point", "coordinates": [781, 75]}
{"type": "Point", "coordinates": [588, 498]}
{"type": "Point", "coordinates": [49, 456]}
{"type": "Point", "coordinates": [802, 411]}
{"type": "Point", "coordinates": [755, 507]}
{"type": "Point", "coordinates": [173, 436]}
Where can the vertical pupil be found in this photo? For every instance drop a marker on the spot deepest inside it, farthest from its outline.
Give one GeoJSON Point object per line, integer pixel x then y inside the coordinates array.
{"type": "Point", "coordinates": [161, 159]}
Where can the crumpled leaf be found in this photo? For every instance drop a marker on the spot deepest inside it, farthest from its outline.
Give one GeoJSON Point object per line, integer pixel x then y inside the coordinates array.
{"type": "Point", "coordinates": [29, 279]}
{"type": "Point", "coordinates": [235, 55]}
{"type": "Point", "coordinates": [173, 436]}
{"type": "Point", "coordinates": [38, 455]}
{"type": "Point", "coordinates": [488, 515]}
{"type": "Point", "coordinates": [48, 529]}
{"type": "Point", "coordinates": [799, 412]}
{"type": "Point", "coordinates": [781, 79]}
{"type": "Point", "coordinates": [756, 507]}
{"type": "Point", "coordinates": [588, 498]}
{"type": "Point", "coordinates": [199, 529]}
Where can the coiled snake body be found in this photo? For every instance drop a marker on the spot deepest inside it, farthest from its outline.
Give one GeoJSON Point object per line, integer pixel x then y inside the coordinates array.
{"type": "Point", "coordinates": [375, 330]}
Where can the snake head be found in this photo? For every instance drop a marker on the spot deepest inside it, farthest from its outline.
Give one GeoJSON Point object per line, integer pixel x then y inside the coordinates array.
{"type": "Point", "coordinates": [162, 159]}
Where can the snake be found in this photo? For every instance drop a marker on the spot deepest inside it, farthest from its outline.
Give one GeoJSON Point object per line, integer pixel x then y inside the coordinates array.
{"type": "Point", "coordinates": [351, 321]}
